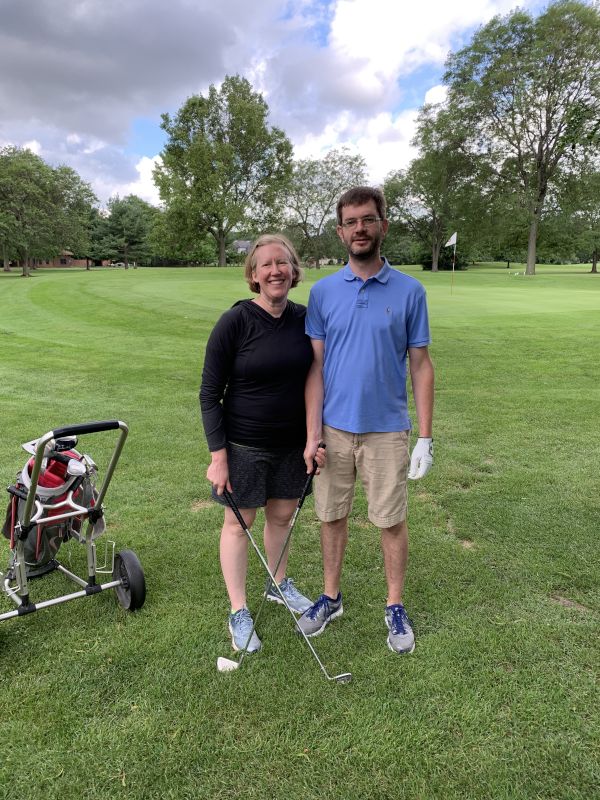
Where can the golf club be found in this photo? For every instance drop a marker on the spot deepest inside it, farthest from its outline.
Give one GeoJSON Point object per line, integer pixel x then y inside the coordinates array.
{"type": "Point", "coordinates": [228, 664]}
{"type": "Point", "coordinates": [305, 489]}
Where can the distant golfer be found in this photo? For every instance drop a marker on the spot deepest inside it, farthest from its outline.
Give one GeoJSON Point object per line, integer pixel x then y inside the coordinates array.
{"type": "Point", "coordinates": [252, 400]}
{"type": "Point", "coordinates": [363, 321]}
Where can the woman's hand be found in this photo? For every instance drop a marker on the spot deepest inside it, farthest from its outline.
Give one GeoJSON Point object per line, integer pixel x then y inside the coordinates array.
{"type": "Point", "coordinates": [218, 471]}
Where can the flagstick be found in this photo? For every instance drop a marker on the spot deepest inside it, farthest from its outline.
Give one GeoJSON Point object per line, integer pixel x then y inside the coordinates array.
{"type": "Point", "coordinates": [453, 262]}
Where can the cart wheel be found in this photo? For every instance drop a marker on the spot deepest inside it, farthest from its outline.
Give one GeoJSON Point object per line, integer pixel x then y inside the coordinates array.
{"type": "Point", "coordinates": [132, 591]}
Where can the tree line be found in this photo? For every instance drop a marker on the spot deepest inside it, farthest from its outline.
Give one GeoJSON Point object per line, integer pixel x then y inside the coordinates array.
{"type": "Point", "coordinates": [510, 160]}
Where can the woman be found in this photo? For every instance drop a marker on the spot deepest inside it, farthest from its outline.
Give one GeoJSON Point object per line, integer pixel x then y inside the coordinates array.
{"type": "Point", "coordinates": [252, 401]}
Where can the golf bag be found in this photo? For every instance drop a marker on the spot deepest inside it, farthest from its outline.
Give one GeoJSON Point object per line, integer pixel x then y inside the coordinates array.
{"type": "Point", "coordinates": [67, 479]}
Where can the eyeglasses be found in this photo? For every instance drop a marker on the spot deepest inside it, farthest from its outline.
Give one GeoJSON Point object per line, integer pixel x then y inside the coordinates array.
{"type": "Point", "coordinates": [366, 221]}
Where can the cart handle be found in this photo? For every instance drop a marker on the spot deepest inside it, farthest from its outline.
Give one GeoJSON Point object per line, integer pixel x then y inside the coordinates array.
{"type": "Point", "coordinates": [87, 427]}
{"type": "Point", "coordinates": [73, 430]}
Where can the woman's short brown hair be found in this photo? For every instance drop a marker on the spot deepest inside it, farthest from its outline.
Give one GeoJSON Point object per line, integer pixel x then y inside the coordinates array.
{"type": "Point", "coordinates": [271, 238]}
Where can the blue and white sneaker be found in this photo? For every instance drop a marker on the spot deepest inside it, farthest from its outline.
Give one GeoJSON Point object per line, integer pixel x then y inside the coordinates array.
{"type": "Point", "coordinates": [295, 599]}
{"type": "Point", "coordinates": [401, 638]}
{"type": "Point", "coordinates": [320, 614]}
{"type": "Point", "coordinates": [240, 625]}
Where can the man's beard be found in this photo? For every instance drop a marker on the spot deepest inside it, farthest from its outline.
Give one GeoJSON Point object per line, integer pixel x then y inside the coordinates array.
{"type": "Point", "coordinates": [368, 253]}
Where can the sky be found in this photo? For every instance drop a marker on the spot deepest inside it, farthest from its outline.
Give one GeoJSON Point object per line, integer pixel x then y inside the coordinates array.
{"type": "Point", "coordinates": [84, 82]}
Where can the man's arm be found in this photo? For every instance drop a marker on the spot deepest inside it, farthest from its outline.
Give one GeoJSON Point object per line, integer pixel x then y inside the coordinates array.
{"type": "Point", "coordinates": [313, 398]}
{"type": "Point", "coordinates": [422, 379]}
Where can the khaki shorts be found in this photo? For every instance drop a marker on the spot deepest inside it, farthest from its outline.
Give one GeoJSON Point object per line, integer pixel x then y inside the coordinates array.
{"type": "Point", "coordinates": [381, 462]}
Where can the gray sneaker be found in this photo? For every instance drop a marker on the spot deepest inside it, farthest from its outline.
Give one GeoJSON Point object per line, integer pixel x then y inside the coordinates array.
{"type": "Point", "coordinates": [295, 600]}
{"type": "Point", "coordinates": [401, 638]}
{"type": "Point", "coordinates": [320, 614]}
{"type": "Point", "coordinates": [240, 625]}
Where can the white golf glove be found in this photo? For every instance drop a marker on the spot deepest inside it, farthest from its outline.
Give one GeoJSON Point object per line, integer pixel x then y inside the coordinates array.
{"type": "Point", "coordinates": [421, 459]}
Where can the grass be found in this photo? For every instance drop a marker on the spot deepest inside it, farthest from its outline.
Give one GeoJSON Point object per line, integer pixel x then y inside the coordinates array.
{"type": "Point", "coordinates": [499, 700]}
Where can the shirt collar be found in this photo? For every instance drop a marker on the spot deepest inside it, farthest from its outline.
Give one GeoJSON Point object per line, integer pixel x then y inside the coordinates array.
{"type": "Point", "coordinates": [382, 276]}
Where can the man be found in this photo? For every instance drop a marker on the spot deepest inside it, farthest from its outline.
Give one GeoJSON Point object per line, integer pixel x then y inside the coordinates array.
{"type": "Point", "coordinates": [363, 321]}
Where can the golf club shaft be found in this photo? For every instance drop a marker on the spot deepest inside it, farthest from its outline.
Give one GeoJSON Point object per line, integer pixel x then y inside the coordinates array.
{"type": "Point", "coordinates": [240, 519]}
{"type": "Point", "coordinates": [279, 560]}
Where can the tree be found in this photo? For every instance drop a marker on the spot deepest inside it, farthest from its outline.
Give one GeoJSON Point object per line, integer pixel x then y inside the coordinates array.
{"type": "Point", "coordinates": [43, 211]}
{"type": "Point", "coordinates": [314, 191]}
{"type": "Point", "coordinates": [73, 201]}
{"type": "Point", "coordinates": [167, 246]}
{"type": "Point", "coordinates": [587, 216]}
{"type": "Point", "coordinates": [128, 227]}
{"type": "Point", "coordinates": [223, 168]}
{"type": "Point", "coordinates": [529, 90]}
{"type": "Point", "coordinates": [576, 219]}
{"type": "Point", "coordinates": [434, 195]}
{"type": "Point", "coordinates": [26, 207]}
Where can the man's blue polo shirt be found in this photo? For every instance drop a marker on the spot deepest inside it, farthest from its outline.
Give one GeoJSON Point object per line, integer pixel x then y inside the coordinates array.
{"type": "Point", "coordinates": [367, 327]}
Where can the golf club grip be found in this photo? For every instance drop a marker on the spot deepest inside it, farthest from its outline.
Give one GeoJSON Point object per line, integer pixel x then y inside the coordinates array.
{"type": "Point", "coordinates": [310, 477]}
{"type": "Point", "coordinates": [86, 427]}
{"type": "Point", "coordinates": [233, 506]}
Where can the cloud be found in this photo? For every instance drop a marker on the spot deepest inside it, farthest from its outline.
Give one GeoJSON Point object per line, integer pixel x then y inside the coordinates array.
{"type": "Point", "coordinates": [144, 185]}
{"type": "Point", "coordinates": [76, 74]}
{"type": "Point", "coordinates": [435, 95]}
{"type": "Point", "coordinates": [34, 146]}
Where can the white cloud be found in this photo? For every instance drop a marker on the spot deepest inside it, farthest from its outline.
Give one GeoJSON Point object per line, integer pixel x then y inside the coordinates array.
{"type": "Point", "coordinates": [437, 94]}
{"type": "Point", "coordinates": [75, 75]}
{"type": "Point", "coordinates": [144, 185]}
{"type": "Point", "coordinates": [34, 146]}
{"type": "Point", "coordinates": [349, 98]}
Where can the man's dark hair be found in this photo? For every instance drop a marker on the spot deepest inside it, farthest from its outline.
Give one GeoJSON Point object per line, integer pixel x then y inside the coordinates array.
{"type": "Point", "coordinates": [360, 195]}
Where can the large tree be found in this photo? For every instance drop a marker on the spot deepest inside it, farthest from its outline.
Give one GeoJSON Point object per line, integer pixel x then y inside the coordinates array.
{"type": "Point", "coordinates": [74, 204]}
{"type": "Point", "coordinates": [315, 188]}
{"type": "Point", "coordinates": [529, 90]}
{"type": "Point", "coordinates": [434, 196]}
{"type": "Point", "coordinates": [128, 228]}
{"type": "Point", "coordinates": [575, 221]}
{"type": "Point", "coordinates": [26, 221]}
{"type": "Point", "coordinates": [43, 210]}
{"type": "Point", "coordinates": [169, 248]}
{"type": "Point", "coordinates": [223, 168]}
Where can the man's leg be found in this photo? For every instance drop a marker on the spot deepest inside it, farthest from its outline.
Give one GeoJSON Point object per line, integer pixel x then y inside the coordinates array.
{"type": "Point", "coordinates": [382, 464]}
{"type": "Point", "coordinates": [394, 544]}
{"type": "Point", "coordinates": [334, 490]}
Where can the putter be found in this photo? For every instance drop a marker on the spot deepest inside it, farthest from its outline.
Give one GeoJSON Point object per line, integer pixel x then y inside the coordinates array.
{"type": "Point", "coordinates": [228, 664]}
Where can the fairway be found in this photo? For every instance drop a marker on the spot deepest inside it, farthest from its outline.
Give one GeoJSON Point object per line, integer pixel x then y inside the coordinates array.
{"type": "Point", "coordinates": [499, 699]}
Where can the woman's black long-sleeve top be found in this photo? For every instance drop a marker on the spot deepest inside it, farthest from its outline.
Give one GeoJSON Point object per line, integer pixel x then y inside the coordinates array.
{"type": "Point", "coordinates": [255, 368]}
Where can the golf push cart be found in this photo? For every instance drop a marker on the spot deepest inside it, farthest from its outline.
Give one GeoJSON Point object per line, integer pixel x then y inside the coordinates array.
{"type": "Point", "coordinates": [55, 499]}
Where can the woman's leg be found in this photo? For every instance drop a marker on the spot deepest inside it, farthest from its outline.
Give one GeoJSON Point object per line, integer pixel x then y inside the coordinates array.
{"type": "Point", "coordinates": [278, 514]}
{"type": "Point", "coordinates": [234, 555]}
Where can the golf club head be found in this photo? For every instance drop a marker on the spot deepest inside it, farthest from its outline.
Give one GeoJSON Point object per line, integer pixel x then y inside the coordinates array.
{"type": "Point", "coordinates": [226, 664]}
{"type": "Point", "coordinates": [344, 677]}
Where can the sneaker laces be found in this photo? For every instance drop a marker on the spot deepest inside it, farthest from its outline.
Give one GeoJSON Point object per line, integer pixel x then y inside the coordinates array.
{"type": "Point", "coordinates": [399, 619]}
{"type": "Point", "coordinates": [243, 621]}
{"type": "Point", "coordinates": [321, 602]}
{"type": "Point", "coordinates": [288, 588]}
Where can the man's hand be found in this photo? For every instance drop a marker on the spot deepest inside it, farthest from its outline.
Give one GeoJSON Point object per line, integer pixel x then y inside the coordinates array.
{"type": "Point", "coordinates": [421, 459]}
{"type": "Point", "coordinates": [314, 451]}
